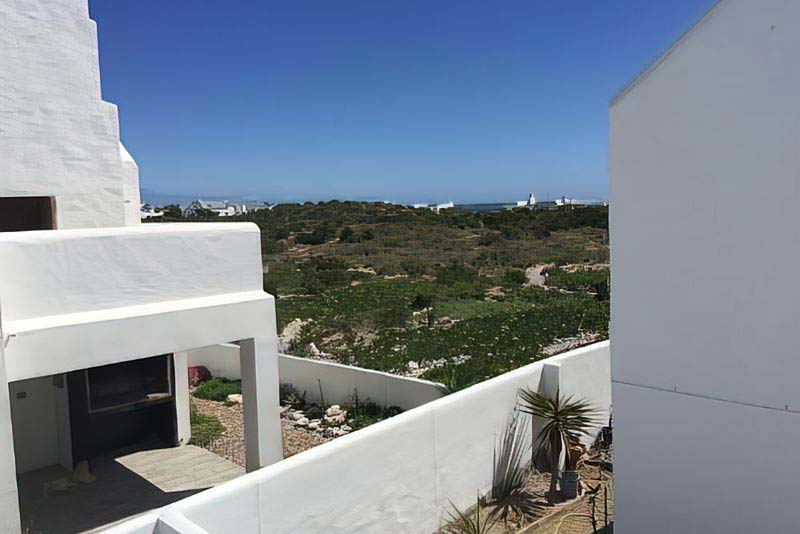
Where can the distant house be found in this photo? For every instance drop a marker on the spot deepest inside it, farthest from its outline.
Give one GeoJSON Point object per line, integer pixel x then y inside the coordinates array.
{"type": "Point", "coordinates": [530, 203]}
{"type": "Point", "coordinates": [436, 208]}
{"type": "Point", "coordinates": [222, 208]}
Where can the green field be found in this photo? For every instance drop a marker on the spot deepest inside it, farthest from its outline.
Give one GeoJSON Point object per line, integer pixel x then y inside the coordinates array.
{"type": "Point", "coordinates": [440, 296]}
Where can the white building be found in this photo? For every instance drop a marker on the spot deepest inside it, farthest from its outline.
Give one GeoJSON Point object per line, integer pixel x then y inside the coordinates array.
{"type": "Point", "coordinates": [222, 208]}
{"type": "Point", "coordinates": [151, 212]}
{"type": "Point", "coordinates": [705, 298]}
{"type": "Point", "coordinates": [97, 311]}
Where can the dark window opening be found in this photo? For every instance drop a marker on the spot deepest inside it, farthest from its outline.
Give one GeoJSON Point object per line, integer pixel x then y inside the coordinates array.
{"type": "Point", "coordinates": [18, 214]}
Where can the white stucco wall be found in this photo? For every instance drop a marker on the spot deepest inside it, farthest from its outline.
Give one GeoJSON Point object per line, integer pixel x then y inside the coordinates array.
{"type": "Point", "coordinates": [68, 297]}
{"type": "Point", "coordinates": [40, 416]}
{"type": "Point", "coordinates": [338, 381]}
{"type": "Point", "coordinates": [78, 271]}
{"type": "Point", "coordinates": [397, 476]}
{"type": "Point", "coordinates": [704, 168]}
{"type": "Point", "coordinates": [58, 137]}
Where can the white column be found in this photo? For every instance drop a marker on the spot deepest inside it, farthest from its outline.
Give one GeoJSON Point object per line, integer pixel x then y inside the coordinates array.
{"type": "Point", "coordinates": [9, 500]}
{"type": "Point", "coordinates": [262, 422]}
{"type": "Point", "coordinates": [182, 399]}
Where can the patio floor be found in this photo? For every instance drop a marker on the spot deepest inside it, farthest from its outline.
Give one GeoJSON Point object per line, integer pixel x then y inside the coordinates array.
{"type": "Point", "coordinates": [126, 485]}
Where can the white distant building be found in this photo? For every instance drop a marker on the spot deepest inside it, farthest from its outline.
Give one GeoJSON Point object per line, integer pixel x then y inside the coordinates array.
{"type": "Point", "coordinates": [530, 203]}
{"type": "Point", "coordinates": [97, 312]}
{"type": "Point", "coordinates": [222, 208]}
{"type": "Point", "coordinates": [704, 294]}
{"type": "Point", "coordinates": [151, 212]}
{"type": "Point", "coordinates": [436, 208]}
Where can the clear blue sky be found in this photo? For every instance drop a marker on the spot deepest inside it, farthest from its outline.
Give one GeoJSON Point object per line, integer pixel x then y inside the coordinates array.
{"type": "Point", "coordinates": [404, 100]}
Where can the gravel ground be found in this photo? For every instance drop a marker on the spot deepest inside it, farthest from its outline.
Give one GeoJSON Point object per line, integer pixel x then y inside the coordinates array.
{"type": "Point", "coordinates": [231, 445]}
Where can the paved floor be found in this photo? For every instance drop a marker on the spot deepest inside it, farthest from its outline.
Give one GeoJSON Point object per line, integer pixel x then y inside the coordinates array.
{"type": "Point", "coordinates": [126, 485]}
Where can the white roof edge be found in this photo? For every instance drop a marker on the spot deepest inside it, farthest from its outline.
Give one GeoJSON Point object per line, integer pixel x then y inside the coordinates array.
{"type": "Point", "coordinates": [35, 324]}
{"type": "Point", "coordinates": [144, 229]}
{"type": "Point", "coordinates": [665, 55]}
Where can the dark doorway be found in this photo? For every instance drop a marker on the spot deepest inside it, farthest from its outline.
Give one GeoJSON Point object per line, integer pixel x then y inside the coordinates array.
{"type": "Point", "coordinates": [123, 405]}
{"type": "Point", "coordinates": [18, 214]}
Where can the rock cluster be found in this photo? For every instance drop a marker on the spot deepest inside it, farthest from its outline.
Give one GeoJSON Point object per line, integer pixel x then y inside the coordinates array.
{"type": "Point", "coordinates": [331, 425]}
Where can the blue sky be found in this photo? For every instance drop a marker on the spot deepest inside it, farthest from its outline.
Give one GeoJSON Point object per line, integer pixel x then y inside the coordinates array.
{"type": "Point", "coordinates": [400, 100]}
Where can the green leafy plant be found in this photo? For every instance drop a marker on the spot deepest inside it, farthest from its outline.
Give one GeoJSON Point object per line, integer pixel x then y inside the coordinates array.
{"type": "Point", "coordinates": [475, 521]}
{"type": "Point", "coordinates": [565, 421]}
{"type": "Point", "coordinates": [218, 389]}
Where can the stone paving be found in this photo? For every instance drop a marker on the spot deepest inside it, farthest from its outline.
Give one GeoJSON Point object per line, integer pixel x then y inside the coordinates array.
{"type": "Point", "coordinates": [126, 485]}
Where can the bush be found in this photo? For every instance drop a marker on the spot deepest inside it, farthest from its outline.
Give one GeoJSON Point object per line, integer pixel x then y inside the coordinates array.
{"type": "Point", "coordinates": [455, 272]}
{"type": "Point", "coordinates": [515, 277]}
{"type": "Point", "coordinates": [218, 389]}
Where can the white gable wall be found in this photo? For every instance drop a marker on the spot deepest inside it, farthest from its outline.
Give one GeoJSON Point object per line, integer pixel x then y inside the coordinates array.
{"type": "Point", "coordinates": [58, 138]}
{"type": "Point", "coordinates": [705, 167]}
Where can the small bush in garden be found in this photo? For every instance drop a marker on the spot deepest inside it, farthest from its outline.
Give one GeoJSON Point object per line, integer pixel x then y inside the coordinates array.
{"type": "Point", "coordinates": [291, 396]}
{"type": "Point", "coordinates": [218, 389]}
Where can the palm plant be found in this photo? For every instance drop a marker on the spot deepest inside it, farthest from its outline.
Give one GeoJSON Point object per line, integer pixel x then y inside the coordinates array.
{"type": "Point", "coordinates": [565, 420]}
{"type": "Point", "coordinates": [510, 473]}
{"type": "Point", "coordinates": [475, 522]}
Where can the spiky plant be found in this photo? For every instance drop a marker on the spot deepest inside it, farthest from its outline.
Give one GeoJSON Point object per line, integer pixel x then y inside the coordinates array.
{"type": "Point", "coordinates": [509, 474]}
{"type": "Point", "coordinates": [565, 420]}
{"type": "Point", "coordinates": [474, 522]}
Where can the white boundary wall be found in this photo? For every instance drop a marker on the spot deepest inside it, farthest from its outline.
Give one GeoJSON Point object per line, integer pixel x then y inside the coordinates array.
{"type": "Point", "coordinates": [338, 381]}
{"type": "Point", "coordinates": [396, 476]}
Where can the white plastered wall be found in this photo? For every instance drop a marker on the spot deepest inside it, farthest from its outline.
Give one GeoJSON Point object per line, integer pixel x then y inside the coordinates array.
{"type": "Point", "coordinates": [59, 138]}
{"type": "Point", "coordinates": [396, 476]}
{"type": "Point", "coordinates": [338, 382]}
{"type": "Point", "coordinates": [705, 189]}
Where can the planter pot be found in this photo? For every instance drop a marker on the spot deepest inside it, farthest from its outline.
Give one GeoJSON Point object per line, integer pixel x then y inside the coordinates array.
{"type": "Point", "coordinates": [570, 482]}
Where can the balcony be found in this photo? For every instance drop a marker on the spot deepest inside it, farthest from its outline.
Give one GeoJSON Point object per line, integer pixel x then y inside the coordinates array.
{"type": "Point", "coordinates": [73, 299]}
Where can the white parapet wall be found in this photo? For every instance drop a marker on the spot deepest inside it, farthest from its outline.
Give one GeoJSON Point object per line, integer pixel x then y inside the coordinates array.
{"type": "Point", "coordinates": [67, 297]}
{"type": "Point", "coordinates": [338, 383]}
{"type": "Point", "coordinates": [396, 476]}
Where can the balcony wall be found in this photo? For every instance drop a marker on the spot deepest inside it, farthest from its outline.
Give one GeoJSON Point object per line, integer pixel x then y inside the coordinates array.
{"type": "Point", "coordinates": [72, 298]}
{"type": "Point", "coordinates": [399, 475]}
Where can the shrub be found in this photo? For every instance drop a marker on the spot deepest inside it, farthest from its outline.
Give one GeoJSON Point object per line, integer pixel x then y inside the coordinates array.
{"type": "Point", "coordinates": [455, 272]}
{"type": "Point", "coordinates": [515, 277]}
{"type": "Point", "coordinates": [218, 389]}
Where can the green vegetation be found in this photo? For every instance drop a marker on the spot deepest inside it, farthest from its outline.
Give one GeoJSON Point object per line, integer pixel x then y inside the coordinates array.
{"type": "Point", "coordinates": [205, 428]}
{"type": "Point", "coordinates": [445, 296]}
{"type": "Point", "coordinates": [218, 389]}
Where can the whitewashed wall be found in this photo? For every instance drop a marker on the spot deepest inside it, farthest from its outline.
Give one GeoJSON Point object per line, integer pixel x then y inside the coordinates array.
{"type": "Point", "coordinates": [78, 271]}
{"type": "Point", "coordinates": [705, 248]}
{"type": "Point", "coordinates": [68, 297]}
{"type": "Point", "coordinates": [338, 381]}
{"type": "Point", "coordinates": [396, 476]}
{"type": "Point", "coordinates": [58, 137]}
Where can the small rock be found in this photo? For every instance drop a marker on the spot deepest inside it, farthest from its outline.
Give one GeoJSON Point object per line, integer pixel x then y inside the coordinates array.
{"type": "Point", "coordinates": [335, 409]}
{"type": "Point", "coordinates": [336, 420]}
{"type": "Point", "coordinates": [345, 428]}
{"type": "Point", "coordinates": [313, 425]}
{"type": "Point", "coordinates": [302, 422]}
{"type": "Point", "coordinates": [296, 415]}
{"type": "Point", "coordinates": [235, 397]}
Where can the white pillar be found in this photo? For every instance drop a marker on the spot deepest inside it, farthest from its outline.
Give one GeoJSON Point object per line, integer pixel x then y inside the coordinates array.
{"type": "Point", "coordinates": [262, 422]}
{"type": "Point", "coordinates": [182, 399]}
{"type": "Point", "coordinates": [9, 500]}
